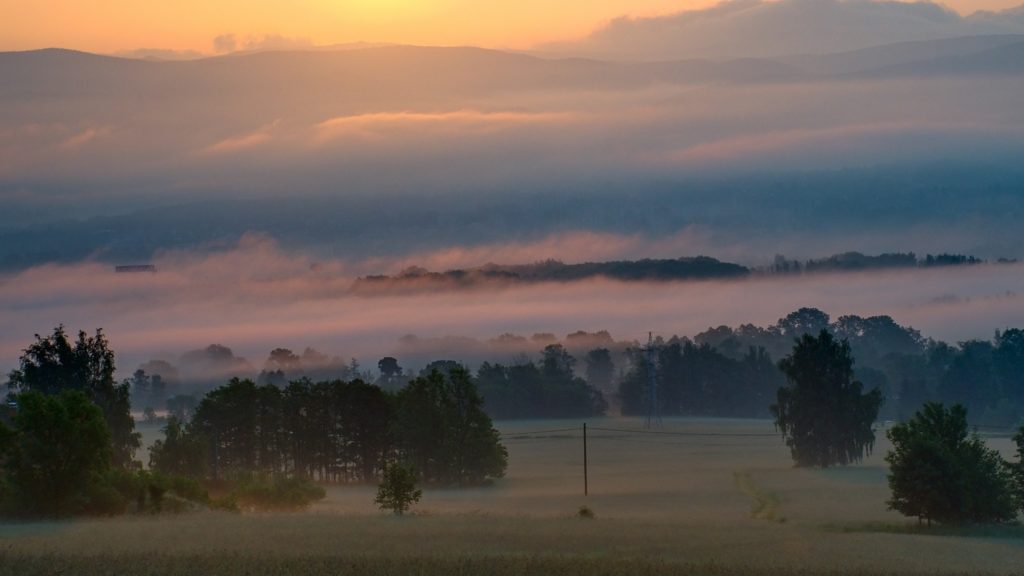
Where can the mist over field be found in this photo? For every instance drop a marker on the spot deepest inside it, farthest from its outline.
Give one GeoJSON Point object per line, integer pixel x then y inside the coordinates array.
{"type": "Point", "coordinates": [257, 296]}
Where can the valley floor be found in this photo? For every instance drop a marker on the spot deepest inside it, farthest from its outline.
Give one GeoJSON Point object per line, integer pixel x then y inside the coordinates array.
{"type": "Point", "coordinates": [699, 497]}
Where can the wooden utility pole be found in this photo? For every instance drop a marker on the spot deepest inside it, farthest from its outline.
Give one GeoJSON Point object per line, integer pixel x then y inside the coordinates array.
{"type": "Point", "coordinates": [586, 486]}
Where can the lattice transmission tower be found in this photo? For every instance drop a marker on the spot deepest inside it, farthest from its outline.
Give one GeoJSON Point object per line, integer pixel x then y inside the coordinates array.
{"type": "Point", "coordinates": [653, 405]}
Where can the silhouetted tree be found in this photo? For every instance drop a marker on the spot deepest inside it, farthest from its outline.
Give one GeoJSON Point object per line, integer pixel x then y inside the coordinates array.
{"type": "Point", "coordinates": [823, 414]}
{"type": "Point", "coordinates": [441, 428]}
{"type": "Point", "coordinates": [59, 451]}
{"type": "Point", "coordinates": [803, 321]}
{"type": "Point", "coordinates": [367, 415]}
{"type": "Point", "coordinates": [397, 490]}
{"type": "Point", "coordinates": [182, 406]}
{"type": "Point", "coordinates": [1018, 467]}
{"type": "Point", "coordinates": [940, 472]}
{"type": "Point", "coordinates": [600, 368]}
{"type": "Point", "coordinates": [54, 364]}
{"type": "Point", "coordinates": [181, 452]}
{"type": "Point", "coordinates": [284, 360]}
{"type": "Point", "coordinates": [390, 373]}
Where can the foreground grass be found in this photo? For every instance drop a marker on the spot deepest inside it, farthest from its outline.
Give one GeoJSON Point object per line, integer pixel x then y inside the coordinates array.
{"type": "Point", "coordinates": [696, 505]}
{"type": "Point", "coordinates": [1008, 531]}
{"type": "Point", "coordinates": [247, 564]}
{"type": "Point", "coordinates": [310, 543]}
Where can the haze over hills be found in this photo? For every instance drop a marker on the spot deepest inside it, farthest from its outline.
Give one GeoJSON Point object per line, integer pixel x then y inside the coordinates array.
{"type": "Point", "coordinates": [130, 157]}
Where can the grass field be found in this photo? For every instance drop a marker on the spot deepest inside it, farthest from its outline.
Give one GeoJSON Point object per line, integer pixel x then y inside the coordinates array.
{"type": "Point", "coordinates": [707, 497]}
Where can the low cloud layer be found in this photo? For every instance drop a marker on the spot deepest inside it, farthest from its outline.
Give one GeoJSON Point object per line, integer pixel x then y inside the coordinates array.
{"type": "Point", "coordinates": [257, 296]}
{"type": "Point", "coordinates": [767, 28]}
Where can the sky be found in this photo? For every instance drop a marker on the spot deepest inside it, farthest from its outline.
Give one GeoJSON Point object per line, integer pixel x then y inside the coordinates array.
{"type": "Point", "coordinates": [111, 26]}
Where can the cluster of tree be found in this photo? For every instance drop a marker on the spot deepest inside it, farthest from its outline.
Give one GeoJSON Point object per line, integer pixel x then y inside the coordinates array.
{"type": "Point", "coordinates": [336, 431]}
{"type": "Point", "coordinates": [549, 389]}
{"type": "Point", "coordinates": [698, 380]}
{"type": "Point", "coordinates": [856, 261]}
{"type": "Point", "coordinates": [283, 366]}
{"type": "Point", "coordinates": [55, 364]}
{"type": "Point", "coordinates": [938, 470]}
{"type": "Point", "coordinates": [987, 377]}
{"type": "Point", "coordinates": [416, 278]}
{"type": "Point", "coordinates": [67, 439]}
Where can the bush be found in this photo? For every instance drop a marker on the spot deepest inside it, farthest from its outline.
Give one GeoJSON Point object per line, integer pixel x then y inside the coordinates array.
{"type": "Point", "coordinates": [397, 490]}
{"type": "Point", "coordinates": [188, 488]}
{"type": "Point", "coordinates": [585, 513]}
{"type": "Point", "coordinates": [105, 499]}
{"type": "Point", "coordinates": [276, 494]}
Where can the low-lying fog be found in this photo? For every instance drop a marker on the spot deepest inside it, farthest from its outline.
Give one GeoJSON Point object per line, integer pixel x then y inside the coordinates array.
{"type": "Point", "coordinates": [257, 296]}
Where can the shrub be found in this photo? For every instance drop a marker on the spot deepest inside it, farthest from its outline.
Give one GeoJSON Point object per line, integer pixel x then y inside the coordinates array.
{"type": "Point", "coordinates": [276, 494]}
{"type": "Point", "coordinates": [397, 490]}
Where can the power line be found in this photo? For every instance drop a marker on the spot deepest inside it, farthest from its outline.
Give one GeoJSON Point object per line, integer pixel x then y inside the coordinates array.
{"type": "Point", "coordinates": [534, 432]}
{"type": "Point", "coordinates": [700, 434]}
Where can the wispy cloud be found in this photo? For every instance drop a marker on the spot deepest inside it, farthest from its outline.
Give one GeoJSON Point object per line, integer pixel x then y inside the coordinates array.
{"type": "Point", "coordinates": [85, 137]}
{"type": "Point", "coordinates": [374, 125]}
{"type": "Point", "coordinates": [242, 141]}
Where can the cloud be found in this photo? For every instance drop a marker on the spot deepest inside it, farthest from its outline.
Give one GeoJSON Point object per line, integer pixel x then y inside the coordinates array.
{"type": "Point", "coordinates": [763, 28]}
{"type": "Point", "coordinates": [83, 138]}
{"type": "Point", "coordinates": [848, 140]}
{"type": "Point", "coordinates": [569, 247]}
{"type": "Point", "coordinates": [243, 141]}
{"type": "Point", "coordinates": [228, 43]}
{"type": "Point", "coordinates": [225, 44]}
{"type": "Point", "coordinates": [373, 125]}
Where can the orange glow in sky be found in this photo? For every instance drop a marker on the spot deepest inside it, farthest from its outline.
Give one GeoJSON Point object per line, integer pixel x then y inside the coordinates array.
{"type": "Point", "coordinates": [115, 25]}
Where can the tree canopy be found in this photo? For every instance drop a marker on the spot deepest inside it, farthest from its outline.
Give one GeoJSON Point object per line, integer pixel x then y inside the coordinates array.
{"type": "Point", "coordinates": [397, 490]}
{"type": "Point", "coordinates": [54, 364]}
{"type": "Point", "coordinates": [823, 414]}
{"type": "Point", "coordinates": [442, 429]}
{"type": "Point", "coordinates": [940, 472]}
{"type": "Point", "coordinates": [58, 452]}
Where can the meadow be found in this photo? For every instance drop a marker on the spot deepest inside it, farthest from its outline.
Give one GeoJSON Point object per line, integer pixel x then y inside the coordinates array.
{"type": "Point", "coordinates": [697, 497]}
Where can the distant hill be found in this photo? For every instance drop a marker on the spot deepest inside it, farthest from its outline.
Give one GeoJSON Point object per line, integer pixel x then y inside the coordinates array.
{"type": "Point", "coordinates": [414, 279]}
{"type": "Point", "coordinates": [417, 279]}
{"type": "Point", "coordinates": [856, 261]}
{"type": "Point", "coordinates": [384, 75]}
{"type": "Point", "coordinates": [903, 54]}
{"type": "Point", "coordinates": [1006, 59]}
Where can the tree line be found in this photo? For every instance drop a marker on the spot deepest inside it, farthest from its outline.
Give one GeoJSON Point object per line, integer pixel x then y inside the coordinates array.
{"type": "Point", "coordinates": [68, 440]}
{"type": "Point", "coordinates": [985, 376]}
{"type": "Point", "coordinates": [939, 470]}
{"type": "Point", "coordinates": [722, 371]}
